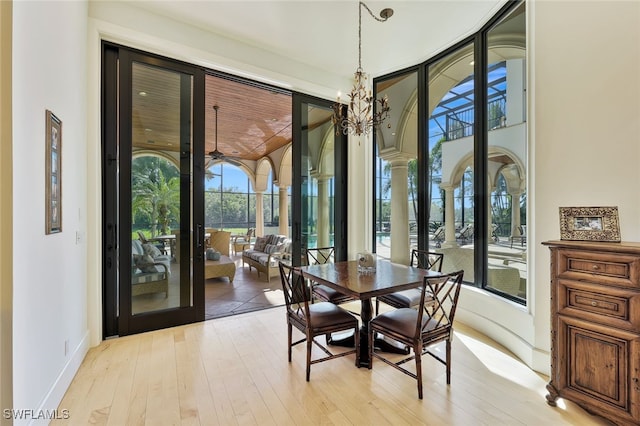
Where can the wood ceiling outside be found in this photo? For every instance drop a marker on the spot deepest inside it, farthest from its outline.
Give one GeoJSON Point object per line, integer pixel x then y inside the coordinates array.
{"type": "Point", "coordinates": [252, 121]}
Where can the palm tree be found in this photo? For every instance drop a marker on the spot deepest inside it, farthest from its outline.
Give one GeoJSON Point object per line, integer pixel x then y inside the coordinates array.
{"type": "Point", "coordinates": [156, 198]}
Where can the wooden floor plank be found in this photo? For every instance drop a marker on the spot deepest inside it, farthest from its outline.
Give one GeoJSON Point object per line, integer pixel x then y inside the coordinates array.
{"type": "Point", "coordinates": [234, 371]}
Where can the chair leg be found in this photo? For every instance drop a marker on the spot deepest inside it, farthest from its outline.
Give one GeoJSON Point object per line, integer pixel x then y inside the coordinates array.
{"type": "Point", "coordinates": [448, 366]}
{"type": "Point", "coordinates": [356, 336]}
{"type": "Point", "coordinates": [417, 351]}
{"type": "Point", "coordinates": [309, 345]}
{"type": "Point", "coordinates": [370, 337]}
{"type": "Point", "coordinates": [289, 336]}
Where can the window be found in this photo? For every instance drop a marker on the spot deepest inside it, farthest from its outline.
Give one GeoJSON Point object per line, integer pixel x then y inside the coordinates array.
{"type": "Point", "coordinates": [471, 201]}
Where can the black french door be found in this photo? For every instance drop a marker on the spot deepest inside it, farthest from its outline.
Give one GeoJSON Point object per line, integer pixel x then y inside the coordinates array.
{"type": "Point", "coordinates": [153, 181]}
{"type": "Point", "coordinates": [319, 190]}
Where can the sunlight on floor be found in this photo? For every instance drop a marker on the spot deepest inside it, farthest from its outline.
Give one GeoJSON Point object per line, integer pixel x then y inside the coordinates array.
{"type": "Point", "coordinates": [275, 297]}
{"type": "Point", "coordinates": [504, 365]}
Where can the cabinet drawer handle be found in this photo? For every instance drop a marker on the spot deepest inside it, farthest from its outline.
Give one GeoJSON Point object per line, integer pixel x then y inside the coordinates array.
{"type": "Point", "coordinates": [596, 267]}
{"type": "Point", "coordinates": [594, 303]}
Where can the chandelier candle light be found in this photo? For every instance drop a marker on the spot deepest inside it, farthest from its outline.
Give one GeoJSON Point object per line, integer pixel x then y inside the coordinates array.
{"type": "Point", "coordinates": [360, 115]}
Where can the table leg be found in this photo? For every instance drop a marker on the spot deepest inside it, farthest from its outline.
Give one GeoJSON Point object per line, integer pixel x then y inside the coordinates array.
{"type": "Point", "coordinates": [347, 340]}
{"type": "Point", "coordinates": [366, 311]}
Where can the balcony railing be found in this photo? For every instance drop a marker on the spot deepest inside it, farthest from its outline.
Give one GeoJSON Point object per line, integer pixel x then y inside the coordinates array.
{"type": "Point", "coordinates": [459, 124]}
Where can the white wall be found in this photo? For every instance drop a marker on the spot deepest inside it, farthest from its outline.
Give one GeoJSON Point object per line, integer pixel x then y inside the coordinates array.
{"type": "Point", "coordinates": [49, 285]}
{"type": "Point", "coordinates": [585, 109]}
{"type": "Point", "coordinates": [6, 210]}
{"type": "Point", "coordinates": [135, 27]}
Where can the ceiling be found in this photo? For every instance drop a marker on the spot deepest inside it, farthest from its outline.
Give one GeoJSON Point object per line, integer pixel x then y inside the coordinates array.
{"type": "Point", "coordinates": [253, 121]}
{"type": "Point", "coordinates": [321, 34]}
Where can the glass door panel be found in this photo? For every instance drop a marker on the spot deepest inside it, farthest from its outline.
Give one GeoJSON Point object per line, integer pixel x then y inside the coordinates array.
{"type": "Point", "coordinates": [160, 224]}
{"type": "Point", "coordinates": [319, 186]}
{"type": "Point", "coordinates": [156, 191]}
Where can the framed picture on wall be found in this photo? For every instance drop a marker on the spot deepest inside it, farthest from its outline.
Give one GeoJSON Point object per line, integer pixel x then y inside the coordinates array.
{"type": "Point", "coordinates": [53, 169]}
{"type": "Point", "coordinates": [589, 224]}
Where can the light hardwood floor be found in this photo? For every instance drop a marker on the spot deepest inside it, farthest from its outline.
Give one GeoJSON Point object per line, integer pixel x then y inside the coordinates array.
{"type": "Point", "coordinates": [234, 370]}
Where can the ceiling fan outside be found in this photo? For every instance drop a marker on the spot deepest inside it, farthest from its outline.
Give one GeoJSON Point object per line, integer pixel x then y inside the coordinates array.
{"type": "Point", "coordinates": [216, 155]}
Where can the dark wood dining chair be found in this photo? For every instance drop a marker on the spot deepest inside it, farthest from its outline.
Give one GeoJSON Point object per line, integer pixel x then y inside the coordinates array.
{"type": "Point", "coordinates": [313, 319]}
{"type": "Point", "coordinates": [320, 256]}
{"type": "Point", "coordinates": [421, 328]}
{"type": "Point", "coordinates": [423, 259]}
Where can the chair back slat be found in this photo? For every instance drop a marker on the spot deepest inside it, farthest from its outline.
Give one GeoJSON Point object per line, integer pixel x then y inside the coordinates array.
{"type": "Point", "coordinates": [425, 259]}
{"type": "Point", "coordinates": [297, 292]}
{"type": "Point", "coordinates": [439, 310]}
{"type": "Point", "coordinates": [320, 255]}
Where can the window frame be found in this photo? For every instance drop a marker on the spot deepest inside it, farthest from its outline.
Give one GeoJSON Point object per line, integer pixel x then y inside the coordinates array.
{"type": "Point", "coordinates": [480, 148]}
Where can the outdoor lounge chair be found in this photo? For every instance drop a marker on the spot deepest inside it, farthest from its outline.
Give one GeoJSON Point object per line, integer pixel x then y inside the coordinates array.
{"type": "Point", "coordinates": [466, 233]}
{"type": "Point", "coordinates": [438, 236]}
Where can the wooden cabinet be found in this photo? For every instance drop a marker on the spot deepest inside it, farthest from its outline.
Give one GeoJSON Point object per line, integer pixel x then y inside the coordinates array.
{"type": "Point", "coordinates": [595, 327]}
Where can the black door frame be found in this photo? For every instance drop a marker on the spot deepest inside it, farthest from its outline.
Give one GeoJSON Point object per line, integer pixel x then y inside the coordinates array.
{"type": "Point", "coordinates": [115, 322]}
{"type": "Point", "coordinates": [116, 197]}
{"type": "Point", "coordinates": [340, 169]}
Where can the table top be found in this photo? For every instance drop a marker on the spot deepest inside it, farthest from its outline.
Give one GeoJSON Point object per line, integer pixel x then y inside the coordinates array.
{"type": "Point", "coordinates": [224, 260]}
{"type": "Point", "coordinates": [388, 278]}
{"type": "Point", "coordinates": [162, 237]}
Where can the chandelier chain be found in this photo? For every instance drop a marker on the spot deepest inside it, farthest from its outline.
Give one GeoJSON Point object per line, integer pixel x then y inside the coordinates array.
{"type": "Point", "coordinates": [361, 117]}
{"type": "Point", "coordinates": [383, 19]}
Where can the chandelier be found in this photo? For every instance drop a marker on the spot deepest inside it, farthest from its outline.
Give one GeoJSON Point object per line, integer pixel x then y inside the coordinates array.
{"type": "Point", "coordinates": [361, 117]}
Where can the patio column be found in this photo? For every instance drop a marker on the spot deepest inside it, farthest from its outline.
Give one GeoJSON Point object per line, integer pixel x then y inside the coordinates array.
{"type": "Point", "coordinates": [399, 211]}
{"type": "Point", "coordinates": [449, 217]}
{"type": "Point", "coordinates": [515, 213]}
{"type": "Point", "coordinates": [322, 224]}
{"type": "Point", "coordinates": [283, 221]}
{"type": "Point", "coordinates": [259, 214]}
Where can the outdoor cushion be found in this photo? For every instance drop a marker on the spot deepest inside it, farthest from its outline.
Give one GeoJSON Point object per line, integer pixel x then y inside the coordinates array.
{"type": "Point", "coordinates": [260, 243]}
{"type": "Point", "coordinates": [151, 250]}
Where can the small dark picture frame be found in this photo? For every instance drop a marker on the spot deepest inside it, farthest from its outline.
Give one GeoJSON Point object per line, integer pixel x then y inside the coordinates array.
{"type": "Point", "coordinates": [53, 173]}
{"type": "Point", "coordinates": [589, 224]}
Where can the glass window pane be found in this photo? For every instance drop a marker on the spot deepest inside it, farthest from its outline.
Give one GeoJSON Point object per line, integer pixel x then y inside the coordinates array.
{"type": "Point", "coordinates": [317, 177]}
{"type": "Point", "coordinates": [451, 158]}
{"type": "Point", "coordinates": [507, 148]}
{"type": "Point", "coordinates": [396, 189]}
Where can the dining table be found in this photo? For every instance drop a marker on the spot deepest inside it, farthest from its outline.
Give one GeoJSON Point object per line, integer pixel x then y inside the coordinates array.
{"type": "Point", "coordinates": [346, 278]}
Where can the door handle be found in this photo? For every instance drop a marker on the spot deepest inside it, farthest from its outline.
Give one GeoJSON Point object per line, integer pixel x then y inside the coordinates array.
{"type": "Point", "coordinates": [198, 236]}
{"type": "Point", "coordinates": [111, 237]}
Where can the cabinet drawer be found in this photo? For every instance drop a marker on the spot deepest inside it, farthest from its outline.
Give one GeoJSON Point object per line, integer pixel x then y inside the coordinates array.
{"type": "Point", "coordinates": [615, 269]}
{"type": "Point", "coordinates": [606, 305]}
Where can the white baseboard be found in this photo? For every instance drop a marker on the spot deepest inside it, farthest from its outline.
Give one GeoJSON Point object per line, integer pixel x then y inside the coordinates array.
{"type": "Point", "coordinates": [52, 401]}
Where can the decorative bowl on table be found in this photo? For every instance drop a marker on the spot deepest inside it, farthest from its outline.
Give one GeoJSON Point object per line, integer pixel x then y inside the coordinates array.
{"type": "Point", "coordinates": [366, 262]}
{"type": "Point", "coordinates": [212, 254]}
